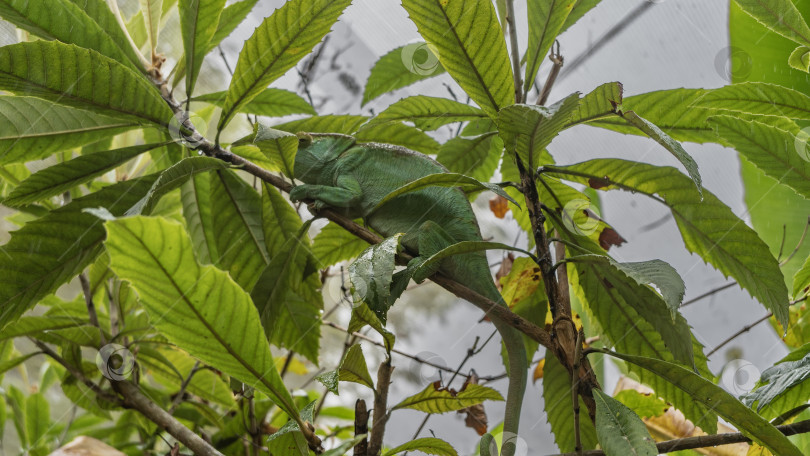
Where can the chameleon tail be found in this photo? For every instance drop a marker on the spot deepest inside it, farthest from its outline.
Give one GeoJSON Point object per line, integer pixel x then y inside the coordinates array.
{"type": "Point", "coordinates": [518, 367]}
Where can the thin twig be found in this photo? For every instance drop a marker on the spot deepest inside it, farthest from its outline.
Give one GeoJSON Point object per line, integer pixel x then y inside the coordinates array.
{"type": "Point", "coordinates": [737, 334]}
{"type": "Point", "coordinates": [709, 293]}
{"type": "Point", "coordinates": [798, 244]}
{"type": "Point", "coordinates": [557, 62]}
{"type": "Point", "coordinates": [75, 372]}
{"type": "Point", "coordinates": [91, 307]}
{"type": "Point", "coordinates": [515, 54]}
{"type": "Point", "coordinates": [178, 398]}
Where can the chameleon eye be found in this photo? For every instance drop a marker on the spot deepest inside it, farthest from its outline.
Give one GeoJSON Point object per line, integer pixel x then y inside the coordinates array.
{"type": "Point", "coordinates": [304, 139]}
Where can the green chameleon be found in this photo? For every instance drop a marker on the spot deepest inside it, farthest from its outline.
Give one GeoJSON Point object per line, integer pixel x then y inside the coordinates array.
{"type": "Point", "coordinates": [352, 179]}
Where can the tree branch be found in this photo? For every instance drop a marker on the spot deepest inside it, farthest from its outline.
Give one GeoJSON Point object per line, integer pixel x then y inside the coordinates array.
{"type": "Point", "coordinates": [705, 441]}
{"type": "Point", "coordinates": [380, 406]}
{"type": "Point", "coordinates": [133, 398]}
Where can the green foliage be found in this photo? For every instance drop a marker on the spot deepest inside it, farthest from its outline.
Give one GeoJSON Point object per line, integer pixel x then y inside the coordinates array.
{"type": "Point", "coordinates": [400, 68]}
{"type": "Point", "coordinates": [427, 445]}
{"type": "Point", "coordinates": [27, 133]}
{"type": "Point", "coordinates": [474, 53]}
{"type": "Point", "coordinates": [200, 267]}
{"type": "Point", "coordinates": [620, 430]}
{"type": "Point", "coordinates": [277, 45]}
{"type": "Point", "coordinates": [36, 68]}
{"type": "Point", "coordinates": [559, 410]}
{"type": "Point", "coordinates": [724, 404]}
{"type": "Point", "coordinates": [155, 255]}
{"type": "Point", "coordinates": [436, 399]}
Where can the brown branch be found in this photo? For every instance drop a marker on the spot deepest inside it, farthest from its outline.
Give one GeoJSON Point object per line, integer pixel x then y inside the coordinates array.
{"type": "Point", "coordinates": [705, 441]}
{"type": "Point", "coordinates": [557, 60]}
{"type": "Point", "coordinates": [76, 372]}
{"type": "Point", "coordinates": [133, 398]}
{"type": "Point", "coordinates": [361, 427]}
{"type": "Point", "coordinates": [380, 406]}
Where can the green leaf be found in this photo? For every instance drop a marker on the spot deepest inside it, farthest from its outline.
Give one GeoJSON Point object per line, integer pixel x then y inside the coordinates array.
{"type": "Point", "coordinates": [708, 227]}
{"type": "Point", "coordinates": [459, 248]}
{"type": "Point", "coordinates": [37, 418]}
{"type": "Point", "coordinates": [645, 405]}
{"type": "Point", "coordinates": [476, 157]}
{"type": "Point", "coordinates": [289, 439]}
{"type": "Point", "coordinates": [757, 51]}
{"type": "Point", "coordinates": [330, 380]}
{"type": "Point", "coordinates": [399, 134]}
{"type": "Point", "coordinates": [674, 147]}
{"type": "Point", "coordinates": [780, 16]}
{"type": "Point", "coordinates": [57, 179]}
{"type": "Point", "coordinates": [9, 364]}
{"type": "Point", "coordinates": [231, 17]}
{"type": "Point", "coordinates": [27, 133]}
{"type": "Point", "coordinates": [427, 445]}
{"type": "Point", "coordinates": [466, 183]}
{"type": "Point", "coordinates": [757, 98]}
{"type": "Point", "coordinates": [32, 326]}
{"type": "Point", "coordinates": [617, 294]}
{"type": "Point", "coordinates": [279, 147]}
{"type": "Point", "coordinates": [353, 368]}
{"type": "Point", "coordinates": [528, 129]}
{"type": "Point", "coordinates": [67, 74]}
{"type": "Point", "coordinates": [65, 241]}
{"type": "Point", "coordinates": [400, 68]}
{"type": "Point", "coordinates": [659, 273]}
{"type": "Point", "coordinates": [469, 43]}
{"type": "Point", "coordinates": [800, 59]}
{"type": "Point", "coordinates": [204, 383]}
{"type": "Point", "coordinates": [372, 273]}
{"type": "Point", "coordinates": [579, 10]}
{"type": "Point", "coordinates": [152, 12]}
{"type": "Point", "coordinates": [344, 447]}
{"type": "Point", "coordinates": [559, 409]}
{"type": "Point", "coordinates": [620, 430]}
{"type": "Point", "coordinates": [437, 399]}
{"type": "Point", "coordinates": [173, 178]}
{"type": "Point", "coordinates": [270, 102]}
{"type": "Point", "coordinates": [362, 316]}
{"type": "Point", "coordinates": [779, 154]}
{"type": "Point", "coordinates": [184, 302]}
{"type": "Point", "coordinates": [801, 280]}
{"type": "Point", "coordinates": [598, 104]}
{"type": "Point", "coordinates": [782, 384]}
{"type": "Point", "coordinates": [280, 221]}
{"type": "Point", "coordinates": [277, 45]}
{"type": "Point", "coordinates": [345, 124]}
{"type": "Point", "coordinates": [334, 244]}
{"type": "Point", "coordinates": [198, 23]}
{"type": "Point", "coordinates": [65, 21]}
{"type": "Point", "coordinates": [546, 20]}
{"type": "Point", "coordinates": [670, 110]}
{"type": "Point", "coordinates": [717, 399]}
{"type": "Point", "coordinates": [195, 195]}
{"type": "Point", "coordinates": [287, 298]}
{"type": "Point", "coordinates": [428, 113]}
{"type": "Point", "coordinates": [237, 225]}
{"type": "Point", "coordinates": [100, 12]}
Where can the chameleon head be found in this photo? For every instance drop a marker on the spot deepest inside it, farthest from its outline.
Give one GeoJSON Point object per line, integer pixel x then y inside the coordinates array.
{"type": "Point", "coordinates": [317, 153]}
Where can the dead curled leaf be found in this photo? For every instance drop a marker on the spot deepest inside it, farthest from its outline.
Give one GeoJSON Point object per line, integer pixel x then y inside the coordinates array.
{"type": "Point", "coordinates": [499, 206]}
{"type": "Point", "coordinates": [476, 415]}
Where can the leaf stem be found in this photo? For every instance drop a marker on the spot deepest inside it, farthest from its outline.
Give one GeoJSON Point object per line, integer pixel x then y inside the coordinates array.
{"type": "Point", "coordinates": [113, 4]}
{"type": "Point", "coordinates": [515, 54]}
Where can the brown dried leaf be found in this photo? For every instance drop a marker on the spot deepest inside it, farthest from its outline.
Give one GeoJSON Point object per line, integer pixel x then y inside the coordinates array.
{"type": "Point", "coordinates": [609, 237]}
{"type": "Point", "coordinates": [499, 206]}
